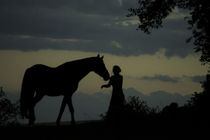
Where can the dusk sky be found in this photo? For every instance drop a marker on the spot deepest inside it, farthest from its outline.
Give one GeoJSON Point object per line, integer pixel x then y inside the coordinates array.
{"type": "Point", "coordinates": [52, 32]}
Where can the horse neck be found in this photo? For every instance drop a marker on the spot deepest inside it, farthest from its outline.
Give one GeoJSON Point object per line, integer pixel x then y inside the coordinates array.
{"type": "Point", "coordinates": [81, 67]}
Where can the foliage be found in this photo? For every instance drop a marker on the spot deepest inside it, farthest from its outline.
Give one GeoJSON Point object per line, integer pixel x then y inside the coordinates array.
{"type": "Point", "coordinates": [136, 105]}
{"type": "Point", "coordinates": [138, 113]}
{"type": "Point", "coordinates": [8, 111]}
{"type": "Point", "coordinates": [135, 109]}
{"type": "Point", "coordinates": [152, 12]}
{"type": "Point", "coordinates": [201, 101]}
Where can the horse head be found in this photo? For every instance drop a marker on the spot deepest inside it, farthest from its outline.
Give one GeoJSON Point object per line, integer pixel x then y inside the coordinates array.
{"type": "Point", "coordinates": [100, 68]}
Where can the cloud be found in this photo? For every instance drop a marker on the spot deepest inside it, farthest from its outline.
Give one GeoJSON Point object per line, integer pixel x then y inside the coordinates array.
{"type": "Point", "coordinates": [177, 14]}
{"type": "Point", "coordinates": [199, 78]}
{"type": "Point", "coordinates": [70, 24]}
{"type": "Point", "coordinates": [116, 44]}
{"type": "Point", "coordinates": [196, 78]}
{"type": "Point", "coordinates": [73, 40]}
{"type": "Point", "coordinates": [164, 78]}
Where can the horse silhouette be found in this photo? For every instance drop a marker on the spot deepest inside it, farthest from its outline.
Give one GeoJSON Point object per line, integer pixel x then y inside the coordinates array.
{"type": "Point", "coordinates": [40, 80]}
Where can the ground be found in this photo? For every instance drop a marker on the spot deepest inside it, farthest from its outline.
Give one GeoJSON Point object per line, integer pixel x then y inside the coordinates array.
{"type": "Point", "coordinates": [93, 130]}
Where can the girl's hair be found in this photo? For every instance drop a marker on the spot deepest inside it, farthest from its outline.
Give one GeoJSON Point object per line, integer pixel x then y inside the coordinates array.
{"type": "Point", "coordinates": [116, 69]}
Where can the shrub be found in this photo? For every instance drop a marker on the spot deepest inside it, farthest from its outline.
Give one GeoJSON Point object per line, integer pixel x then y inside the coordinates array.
{"type": "Point", "coordinates": [8, 111]}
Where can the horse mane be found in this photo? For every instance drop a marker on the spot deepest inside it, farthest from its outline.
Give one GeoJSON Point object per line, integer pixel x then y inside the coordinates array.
{"type": "Point", "coordinates": [79, 61]}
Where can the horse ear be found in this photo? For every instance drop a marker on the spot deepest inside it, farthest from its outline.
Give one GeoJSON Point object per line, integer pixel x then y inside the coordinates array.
{"type": "Point", "coordinates": [98, 55]}
{"type": "Point", "coordinates": [102, 57]}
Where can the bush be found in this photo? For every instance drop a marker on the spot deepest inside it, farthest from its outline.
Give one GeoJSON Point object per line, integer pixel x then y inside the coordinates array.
{"type": "Point", "coordinates": [138, 110]}
{"type": "Point", "coordinates": [8, 111]}
{"type": "Point", "coordinates": [135, 112]}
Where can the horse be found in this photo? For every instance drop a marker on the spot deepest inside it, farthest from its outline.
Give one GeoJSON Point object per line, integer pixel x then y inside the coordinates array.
{"type": "Point", "coordinates": [40, 80]}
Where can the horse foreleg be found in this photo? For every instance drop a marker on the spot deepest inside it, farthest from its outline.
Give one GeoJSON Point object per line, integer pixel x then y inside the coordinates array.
{"type": "Point", "coordinates": [63, 105]}
{"type": "Point", "coordinates": [71, 108]}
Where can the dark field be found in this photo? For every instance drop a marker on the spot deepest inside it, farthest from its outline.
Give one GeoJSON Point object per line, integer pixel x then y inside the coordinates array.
{"type": "Point", "coordinates": [99, 130]}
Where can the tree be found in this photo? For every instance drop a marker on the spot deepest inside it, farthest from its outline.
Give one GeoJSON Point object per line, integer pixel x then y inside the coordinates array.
{"type": "Point", "coordinates": [8, 110]}
{"type": "Point", "coordinates": [201, 101]}
{"type": "Point", "coordinates": [152, 12]}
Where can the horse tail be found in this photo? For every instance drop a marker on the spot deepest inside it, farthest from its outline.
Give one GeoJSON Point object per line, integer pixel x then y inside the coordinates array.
{"type": "Point", "coordinates": [27, 93]}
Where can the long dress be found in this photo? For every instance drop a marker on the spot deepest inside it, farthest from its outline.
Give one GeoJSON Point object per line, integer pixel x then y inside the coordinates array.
{"type": "Point", "coordinates": [117, 99]}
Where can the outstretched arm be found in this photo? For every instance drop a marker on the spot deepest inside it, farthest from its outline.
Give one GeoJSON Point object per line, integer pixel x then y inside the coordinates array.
{"type": "Point", "coordinates": [106, 86]}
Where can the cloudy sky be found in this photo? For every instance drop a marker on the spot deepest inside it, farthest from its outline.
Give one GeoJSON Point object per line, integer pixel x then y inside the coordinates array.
{"type": "Point", "coordinates": [52, 32]}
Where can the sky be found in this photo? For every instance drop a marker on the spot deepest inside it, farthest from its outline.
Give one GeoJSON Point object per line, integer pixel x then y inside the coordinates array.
{"type": "Point", "coordinates": [52, 32]}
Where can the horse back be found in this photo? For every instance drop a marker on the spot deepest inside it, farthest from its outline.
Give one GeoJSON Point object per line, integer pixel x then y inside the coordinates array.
{"type": "Point", "coordinates": [52, 81]}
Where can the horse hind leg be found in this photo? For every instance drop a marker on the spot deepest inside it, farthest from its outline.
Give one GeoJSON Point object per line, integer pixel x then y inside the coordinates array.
{"type": "Point", "coordinates": [71, 108]}
{"type": "Point", "coordinates": [31, 116]}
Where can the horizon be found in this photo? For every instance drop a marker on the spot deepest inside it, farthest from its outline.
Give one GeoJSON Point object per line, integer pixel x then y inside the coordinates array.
{"type": "Point", "coordinates": [90, 106]}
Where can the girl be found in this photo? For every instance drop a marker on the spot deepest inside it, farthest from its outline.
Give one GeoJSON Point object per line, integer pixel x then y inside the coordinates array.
{"type": "Point", "coordinates": [117, 99]}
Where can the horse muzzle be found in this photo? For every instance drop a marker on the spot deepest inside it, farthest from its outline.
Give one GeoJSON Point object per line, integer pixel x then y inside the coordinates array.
{"type": "Point", "coordinates": [106, 78]}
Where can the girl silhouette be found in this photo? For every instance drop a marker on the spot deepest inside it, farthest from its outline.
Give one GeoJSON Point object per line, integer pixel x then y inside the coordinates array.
{"type": "Point", "coordinates": [117, 99]}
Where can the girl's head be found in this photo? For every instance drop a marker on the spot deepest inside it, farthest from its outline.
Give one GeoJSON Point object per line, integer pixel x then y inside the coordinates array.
{"type": "Point", "coordinates": [116, 69]}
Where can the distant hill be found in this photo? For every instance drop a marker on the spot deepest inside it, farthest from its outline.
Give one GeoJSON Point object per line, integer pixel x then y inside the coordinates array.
{"type": "Point", "coordinates": [158, 98]}
{"type": "Point", "coordinates": [89, 107]}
